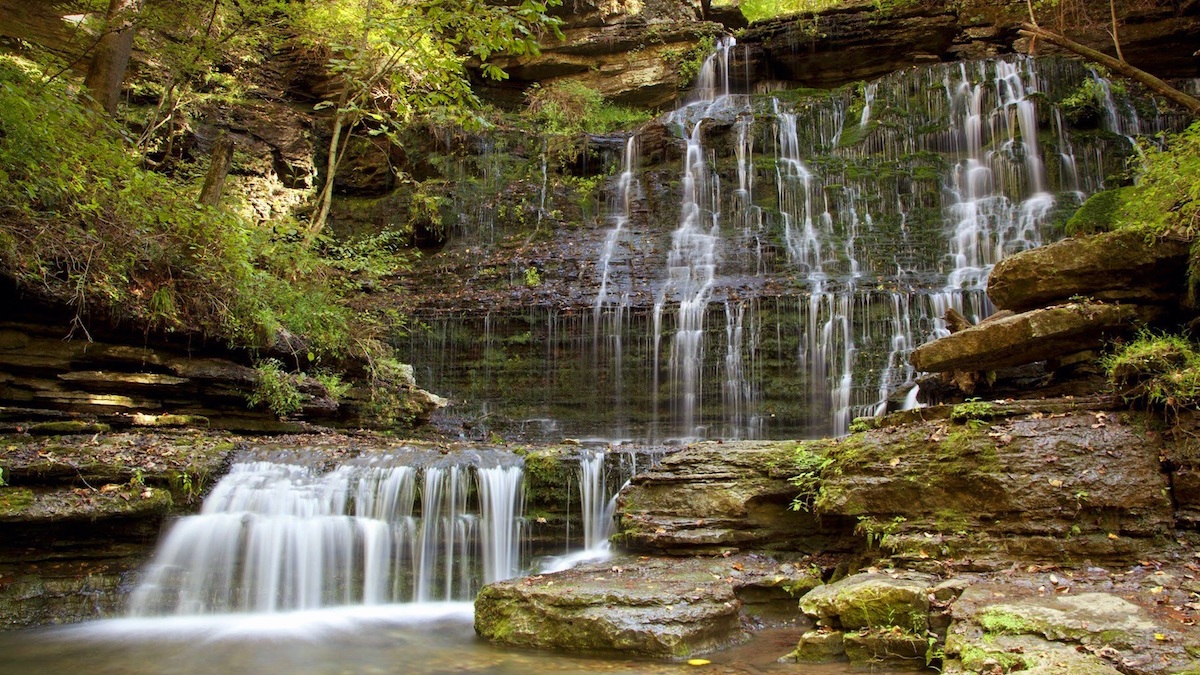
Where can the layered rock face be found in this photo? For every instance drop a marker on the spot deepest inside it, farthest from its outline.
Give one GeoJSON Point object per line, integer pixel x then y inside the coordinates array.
{"type": "Point", "coordinates": [716, 497]}
{"type": "Point", "coordinates": [80, 510]}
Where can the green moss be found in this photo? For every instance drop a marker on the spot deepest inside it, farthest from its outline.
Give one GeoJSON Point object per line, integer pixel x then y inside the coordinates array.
{"type": "Point", "coordinates": [974, 410]}
{"type": "Point", "coordinates": [1001, 622]}
{"type": "Point", "coordinates": [15, 500]}
{"type": "Point", "coordinates": [976, 659]}
{"type": "Point", "coordinates": [1097, 214]}
{"type": "Point", "coordinates": [67, 427]}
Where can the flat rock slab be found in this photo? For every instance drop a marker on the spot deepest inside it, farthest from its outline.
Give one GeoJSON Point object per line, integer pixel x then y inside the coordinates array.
{"type": "Point", "coordinates": [1045, 631]}
{"type": "Point", "coordinates": [667, 607]}
{"type": "Point", "coordinates": [1029, 337]}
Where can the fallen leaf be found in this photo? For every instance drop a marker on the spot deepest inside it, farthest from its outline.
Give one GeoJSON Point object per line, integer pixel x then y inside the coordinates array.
{"type": "Point", "coordinates": [698, 662]}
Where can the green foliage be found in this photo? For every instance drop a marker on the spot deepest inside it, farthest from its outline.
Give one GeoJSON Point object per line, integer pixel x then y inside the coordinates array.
{"type": "Point", "coordinates": [275, 389]}
{"type": "Point", "coordinates": [1166, 198]}
{"type": "Point", "coordinates": [691, 61]}
{"type": "Point", "coordinates": [974, 410]}
{"type": "Point", "coordinates": [759, 10]}
{"type": "Point", "coordinates": [569, 107]}
{"type": "Point", "coordinates": [333, 384]}
{"type": "Point", "coordinates": [88, 225]}
{"type": "Point", "coordinates": [1098, 213]}
{"type": "Point", "coordinates": [1161, 371]}
{"type": "Point", "coordinates": [1084, 107]}
{"type": "Point", "coordinates": [809, 466]}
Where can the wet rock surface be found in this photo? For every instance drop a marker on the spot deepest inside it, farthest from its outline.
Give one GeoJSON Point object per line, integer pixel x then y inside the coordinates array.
{"type": "Point", "coordinates": [1028, 337]}
{"type": "Point", "coordinates": [991, 485]}
{"type": "Point", "coordinates": [714, 497]}
{"type": "Point", "coordinates": [649, 606]}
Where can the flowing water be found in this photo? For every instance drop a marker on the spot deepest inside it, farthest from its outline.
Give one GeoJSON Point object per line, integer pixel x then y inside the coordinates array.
{"type": "Point", "coordinates": [784, 306]}
{"type": "Point", "coordinates": [769, 272]}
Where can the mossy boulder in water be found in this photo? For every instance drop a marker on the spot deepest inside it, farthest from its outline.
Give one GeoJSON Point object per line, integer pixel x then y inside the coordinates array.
{"type": "Point", "coordinates": [872, 601]}
{"type": "Point", "coordinates": [883, 619]}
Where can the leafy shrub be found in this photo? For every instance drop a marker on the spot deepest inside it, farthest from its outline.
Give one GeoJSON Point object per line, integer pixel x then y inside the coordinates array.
{"type": "Point", "coordinates": [573, 107]}
{"type": "Point", "coordinates": [809, 466]}
{"type": "Point", "coordinates": [275, 389]}
{"type": "Point", "coordinates": [86, 224]}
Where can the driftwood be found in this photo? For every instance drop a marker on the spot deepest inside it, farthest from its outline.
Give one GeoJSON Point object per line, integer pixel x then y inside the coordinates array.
{"type": "Point", "coordinates": [1156, 85]}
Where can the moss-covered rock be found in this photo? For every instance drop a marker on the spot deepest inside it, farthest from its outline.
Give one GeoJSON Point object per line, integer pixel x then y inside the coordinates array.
{"type": "Point", "coordinates": [872, 600]}
{"type": "Point", "coordinates": [717, 497]}
{"type": "Point", "coordinates": [653, 607]}
{"type": "Point", "coordinates": [1043, 486]}
{"type": "Point", "coordinates": [1011, 627]}
{"type": "Point", "coordinates": [893, 648]}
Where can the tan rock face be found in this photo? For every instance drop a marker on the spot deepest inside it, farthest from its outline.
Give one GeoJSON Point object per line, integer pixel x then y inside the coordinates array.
{"type": "Point", "coordinates": [987, 490]}
{"type": "Point", "coordinates": [1116, 266]}
{"type": "Point", "coordinates": [713, 497]}
{"type": "Point", "coordinates": [1029, 337]}
{"type": "Point", "coordinates": [649, 606]}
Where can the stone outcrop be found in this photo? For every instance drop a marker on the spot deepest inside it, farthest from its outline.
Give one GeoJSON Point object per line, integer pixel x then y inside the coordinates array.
{"type": "Point", "coordinates": [43, 376]}
{"type": "Point", "coordinates": [1124, 267]}
{"type": "Point", "coordinates": [1060, 304]}
{"type": "Point", "coordinates": [1015, 628]}
{"type": "Point", "coordinates": [873, 619]}
{"type": "Point", "coordinates": [860, 40]}
{"type": "Point", "coordinates": [850, 42]}
{"type": "Point", "coordinates": [716, 497]}
{"type": "Point", "coordinates": [992, 485]}
{"type": "Point", "coordinates": [650, 606]}
{"type": "Point", "coordinates": [628, 50]}
{"type": "Point", "coordinates": [80, 512]}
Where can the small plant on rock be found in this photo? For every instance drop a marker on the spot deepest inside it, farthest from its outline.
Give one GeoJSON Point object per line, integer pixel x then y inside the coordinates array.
{"type": "Point", "coordinates": [275, 390]}
{"type": "Point", "coordinates": [809, 466]}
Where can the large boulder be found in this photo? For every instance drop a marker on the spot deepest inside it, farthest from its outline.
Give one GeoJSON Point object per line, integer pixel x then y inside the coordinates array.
{"type": "Point", "coordinates": [1123, 266]}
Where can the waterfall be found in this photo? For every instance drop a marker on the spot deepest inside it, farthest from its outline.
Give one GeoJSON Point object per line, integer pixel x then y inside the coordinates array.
{"type": "Point", "coordinates": [789, 302]}
{"type": "Point", "coordinates": [275, 535]}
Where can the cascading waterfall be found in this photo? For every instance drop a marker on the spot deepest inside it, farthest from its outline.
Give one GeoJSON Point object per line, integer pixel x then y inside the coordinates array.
{"type": "Point", "coordinates": [278, 536]}
{"type": "Point", "coordinates": [853, 221]}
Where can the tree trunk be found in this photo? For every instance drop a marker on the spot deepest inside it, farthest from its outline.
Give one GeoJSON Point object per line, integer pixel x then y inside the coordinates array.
{"type": "Point", "coordinates": [111, 56]}
{"type": "Point", "coordinates": [1153, 83]}
{"type": "Point", "coordinates": [218, 169]}
{"type": "Point", "coordinates": [326, 196]}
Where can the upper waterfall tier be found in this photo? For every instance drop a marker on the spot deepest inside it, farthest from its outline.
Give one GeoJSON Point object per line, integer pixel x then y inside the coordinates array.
{"type": "Point", "coordinates": [770, 257]}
